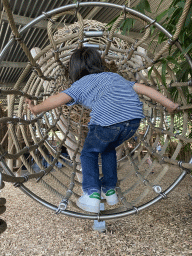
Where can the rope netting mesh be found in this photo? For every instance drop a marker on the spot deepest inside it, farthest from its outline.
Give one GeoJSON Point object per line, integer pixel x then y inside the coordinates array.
{"type": "Point", "coordinates": [36, 143]}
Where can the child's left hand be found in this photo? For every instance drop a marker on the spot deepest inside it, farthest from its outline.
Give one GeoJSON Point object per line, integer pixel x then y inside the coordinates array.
{"type": "Point", "coordinates": [172, 107]}
{"type": "Point", "coordinates": [30, 105]}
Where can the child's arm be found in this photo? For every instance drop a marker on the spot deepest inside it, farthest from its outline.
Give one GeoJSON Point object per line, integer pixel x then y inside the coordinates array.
{"type": "Point", "coordinates": [155, 95]}
{"type": "Point", "coordinates": [50, 103]}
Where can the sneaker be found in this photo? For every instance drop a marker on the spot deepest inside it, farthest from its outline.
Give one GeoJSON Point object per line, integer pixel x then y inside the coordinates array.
{"type": "Point", "coordinates": [110, 196]}
{"type": "Point", "coordinates": [90, 203]}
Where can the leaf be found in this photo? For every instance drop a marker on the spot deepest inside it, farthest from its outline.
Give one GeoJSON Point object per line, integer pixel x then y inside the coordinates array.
{"type": "Point", "coordinates": [160, 16]}
{"type": "Point", "coordinates": [164, 68]}
{"type": "Point", "coordinates": [150, 71]}
{"type": "Point", "coordinates": [110, 24]}
{"type": "Point", "coordinates": [147, 6]}
{"type": "Point", "coordinates": [187, 49]}
{"type": "Point", "coordinates": [188, 19]}
{"type": "Point", "coordinates": [181, 4]}
{"type": "Point", "coordinates": [170, 11]}
{"type": "Point", "coordinates": [143, 5]}
{"type": "Point", "coordinates": [126, 25]}
{"type": "Point", "coordinates": [172, 60]}
{"type": "Point", "coordinates": [159, 5]}
{"type": "Point", "coordinates": [184, 67]}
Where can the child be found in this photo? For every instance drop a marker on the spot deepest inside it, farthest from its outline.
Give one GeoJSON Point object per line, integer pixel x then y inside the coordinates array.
{"type": "Point", "coordinates": [116, 112]}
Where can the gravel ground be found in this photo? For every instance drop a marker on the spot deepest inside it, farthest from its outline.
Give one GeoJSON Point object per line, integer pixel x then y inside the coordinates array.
{"type": "Point", "coordinates": [163, 229]}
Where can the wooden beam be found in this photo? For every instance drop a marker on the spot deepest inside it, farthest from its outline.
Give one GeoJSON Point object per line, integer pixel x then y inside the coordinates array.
{"type": "Point", "coordinates": [10, 64]}
{"type": "Point", "coordinates": [9, 85]}
{"type": "Point", "coordinates": [21, 20]}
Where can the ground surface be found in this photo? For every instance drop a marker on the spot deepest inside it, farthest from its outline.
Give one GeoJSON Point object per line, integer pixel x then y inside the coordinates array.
{"type": "Point", "coordinates": [163, 229]}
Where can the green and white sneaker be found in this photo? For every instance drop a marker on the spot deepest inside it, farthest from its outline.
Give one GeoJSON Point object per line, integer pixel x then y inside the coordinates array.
{"type": "Point", "coordinates": [90, 203]}
{"type": "Point", "coordinates": [110, 196]}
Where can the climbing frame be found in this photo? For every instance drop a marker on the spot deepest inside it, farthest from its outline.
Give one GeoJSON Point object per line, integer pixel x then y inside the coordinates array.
{"type": "Point", "coordinates": [142, 169]}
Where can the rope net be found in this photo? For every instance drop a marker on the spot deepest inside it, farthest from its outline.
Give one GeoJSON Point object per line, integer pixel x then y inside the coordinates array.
{"type": "Point", "coordinates": [35, 143]}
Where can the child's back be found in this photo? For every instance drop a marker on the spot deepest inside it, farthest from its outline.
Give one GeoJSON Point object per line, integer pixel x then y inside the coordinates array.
{"type": "Point", "coordinates": [111, 98]}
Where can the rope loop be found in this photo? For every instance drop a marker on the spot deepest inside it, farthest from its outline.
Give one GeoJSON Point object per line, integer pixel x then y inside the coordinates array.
{"type": "Point", "coordinates": [3, 155]}
{"type": "Point", "coordinates": [77, 8]}
{"type": "Point", "coordinates": [125, 13]}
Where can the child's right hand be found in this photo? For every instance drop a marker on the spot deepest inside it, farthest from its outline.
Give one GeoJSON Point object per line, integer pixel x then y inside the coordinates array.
{"type": "Point", "coordinates": [30, 105]}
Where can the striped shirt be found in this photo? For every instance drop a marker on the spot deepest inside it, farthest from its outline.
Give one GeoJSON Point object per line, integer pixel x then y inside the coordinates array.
{"type": "Point", "coordinates": [110, 97]}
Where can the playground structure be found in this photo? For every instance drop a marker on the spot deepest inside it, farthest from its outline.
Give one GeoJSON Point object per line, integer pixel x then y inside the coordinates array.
{"type": "Point", "coordinates": [47, 74]}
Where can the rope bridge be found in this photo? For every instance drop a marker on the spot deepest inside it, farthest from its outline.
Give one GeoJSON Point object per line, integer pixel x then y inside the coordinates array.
{"type": "Point", "coordinates": [29, 144]}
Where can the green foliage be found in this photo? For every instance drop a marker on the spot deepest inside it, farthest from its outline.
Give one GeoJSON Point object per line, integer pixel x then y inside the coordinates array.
{"type": "Point", "coordinates": [128, 23]}
{"type": "Point", "coordinates": [143, 6]}
{"type": "Point", "coordinates": [176, 60]}
{"type": "Point", "coordinates": [169, 20]}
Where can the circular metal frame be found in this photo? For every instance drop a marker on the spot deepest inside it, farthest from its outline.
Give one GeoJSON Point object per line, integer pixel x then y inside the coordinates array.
{"type": "Point", "coordinates": [30, 193]}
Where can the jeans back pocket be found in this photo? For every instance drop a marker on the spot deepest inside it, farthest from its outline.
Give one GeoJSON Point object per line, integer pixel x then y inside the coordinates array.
{"type": "Point", "coordinates": [107, 133]}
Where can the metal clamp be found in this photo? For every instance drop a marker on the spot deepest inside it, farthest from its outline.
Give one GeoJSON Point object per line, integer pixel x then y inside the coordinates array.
{"type": "Point", "coordinates": [62, 206]}
{"type": "Point", "coordinates": [157, 189]}
{"type": "Point", "coordinates": [38, 179]}
{"type": "Point", "coordinates": [145, 182]}
{"type": "Point", "coordinates": [110, 40]}
{"type": "Point", "coordinates": [122, 198]}
{"type": "Point", "coordinates": [28, 149]}
{"type": "Point", "coordinates": [190, 82]}
{"type": "Point", "coordinates": [180, 164]}
{"type": "Point", "coordinates": [98, 217]}
{"type": "Point", "coordinates": [171, 41]}
{"type": "Point", "coordinates": [56, 51]}
{"type": "Point", "coordinates": [132, 47]}
{"type": "Point", "coordinates": [48, 18]}
{"type": "Point", "coordinates": [2, 184]}
{"type": "Point", "coordinates": [163, 195]}
{"type": "Point", "coordinates": [149, 25]}
{"type": "Point", "coordinates": [81, 41]}
{"type": "Point", "coordinates": [17, 184]}
{"type": "Point", "coordinates": [18, 39]}
{"type": "Point", "coordinates": [26, 177]}
{"type": "Point", "coordinates": [136, 210]}
{"type": "Point", "coordinates": [125, 13]}
{"type": "Point", "coordinates": [70, 191]}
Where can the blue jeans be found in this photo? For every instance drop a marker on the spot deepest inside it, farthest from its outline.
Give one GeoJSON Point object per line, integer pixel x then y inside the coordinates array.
{"type": "Point", "coordinates": [104, 140]}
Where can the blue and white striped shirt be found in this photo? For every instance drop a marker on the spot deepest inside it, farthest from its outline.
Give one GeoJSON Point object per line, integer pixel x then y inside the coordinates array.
{"type": "Point", "coordinates": [110, 97]}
